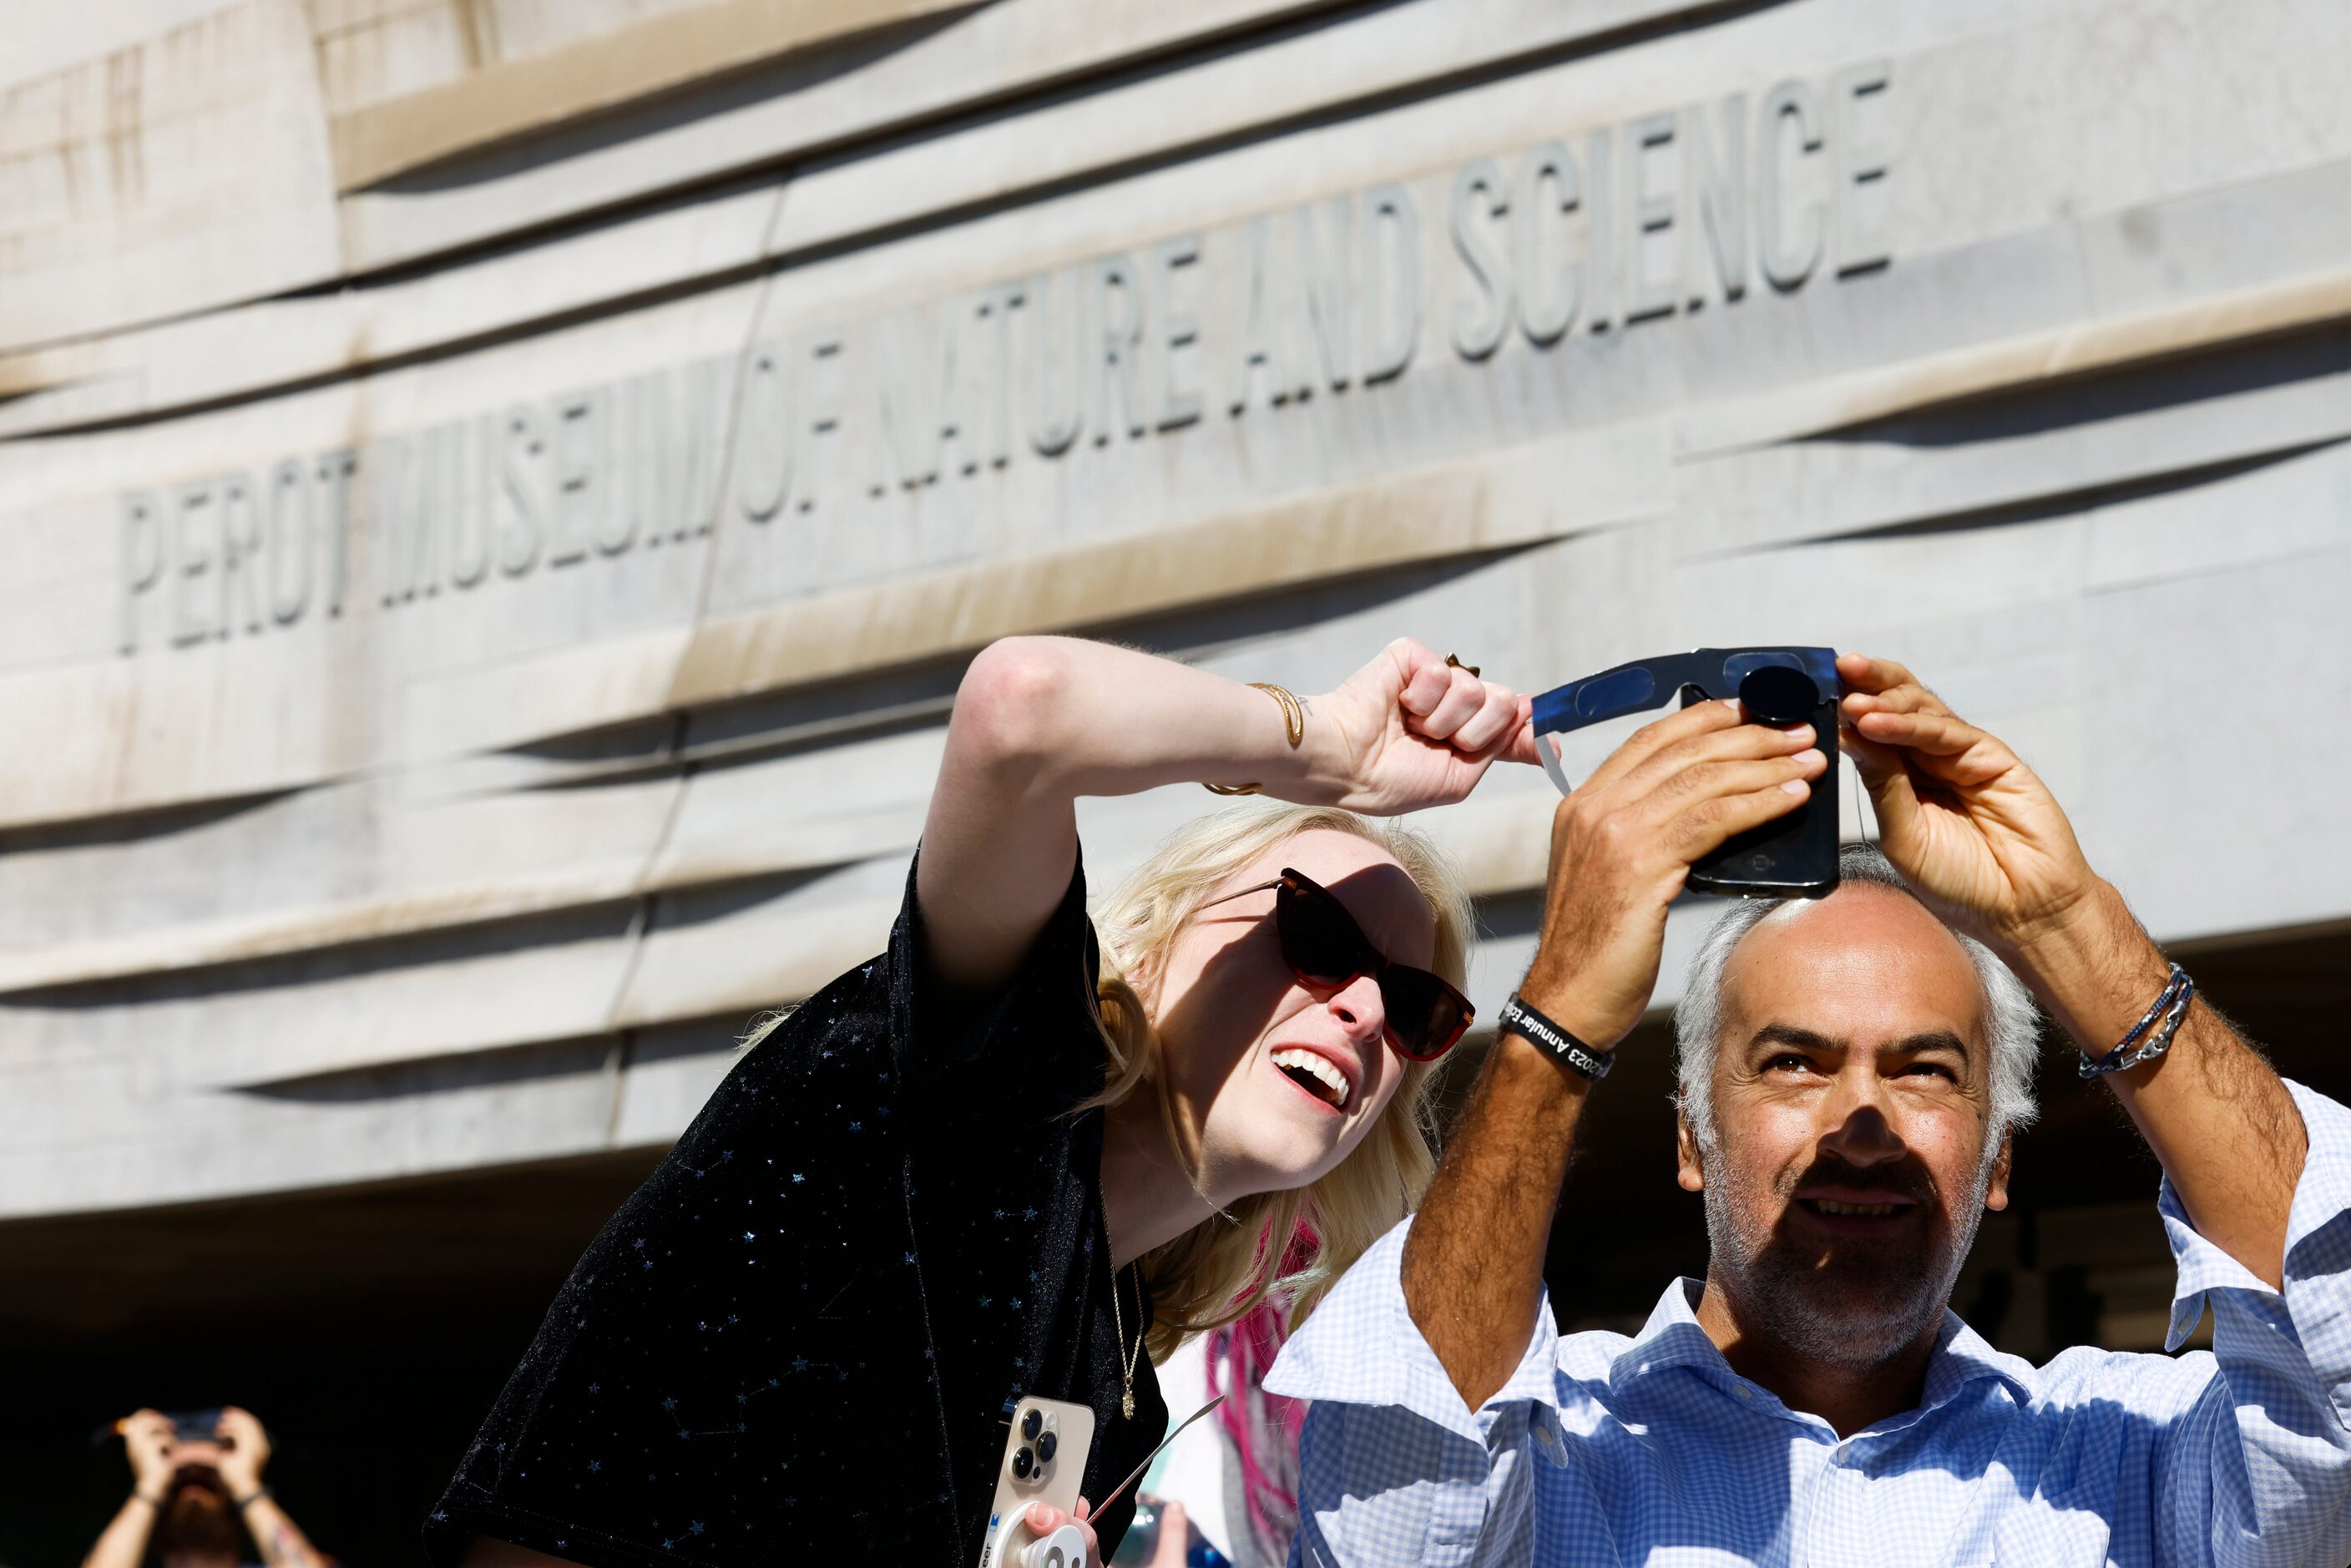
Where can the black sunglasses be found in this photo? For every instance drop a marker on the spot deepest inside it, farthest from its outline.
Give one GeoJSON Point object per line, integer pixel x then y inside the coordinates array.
{"type": "Point", "coordinates": [1325, 948]}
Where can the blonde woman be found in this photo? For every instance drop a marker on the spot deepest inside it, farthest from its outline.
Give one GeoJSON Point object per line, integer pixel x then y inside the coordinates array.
{"type": "Point", "coordinates": [1010, 1155]}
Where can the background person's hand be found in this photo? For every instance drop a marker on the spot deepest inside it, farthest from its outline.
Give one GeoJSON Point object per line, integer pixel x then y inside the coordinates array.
{"type": "Point", "coordinates": [1973, 829]}
{"type": "Point", "coordinates": [1174, 1545]}
{"type": "Point", "coordinates": [245, 1451]}
{"type": "Point", "coordinates": [1623, 843]}
{"type": "Point", "coordinates": [147, 1444]}
{"type": "Point", "coordinates": [1413, 731]}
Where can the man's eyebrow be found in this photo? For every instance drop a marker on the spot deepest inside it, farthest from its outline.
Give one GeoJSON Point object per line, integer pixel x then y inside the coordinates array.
{"type": "Point", "coordinates": [1933, 1039]}
{"type": "Point", "coordinates": [1795, 1035]}
{"type": "Point", "coordinates": [1804, 1038]}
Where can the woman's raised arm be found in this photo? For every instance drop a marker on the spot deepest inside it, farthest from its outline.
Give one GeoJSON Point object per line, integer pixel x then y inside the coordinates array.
{"type": "Point", "coordinates": [1039, 721]}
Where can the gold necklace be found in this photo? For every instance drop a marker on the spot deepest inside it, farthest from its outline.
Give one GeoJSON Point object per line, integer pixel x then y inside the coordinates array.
{"type": "Point", "coordinates": [1118, 1319]}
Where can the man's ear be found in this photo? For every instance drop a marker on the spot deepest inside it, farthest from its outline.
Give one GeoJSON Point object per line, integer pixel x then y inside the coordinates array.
{"type": "Point", "coordinates": [1996, 1189]}
{"type": "Point", "coordinates": [1690, 1166]}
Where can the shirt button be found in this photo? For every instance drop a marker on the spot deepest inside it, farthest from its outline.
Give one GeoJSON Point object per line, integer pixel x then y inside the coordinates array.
{"type": "Point", "coordinates": [1745, 1394]}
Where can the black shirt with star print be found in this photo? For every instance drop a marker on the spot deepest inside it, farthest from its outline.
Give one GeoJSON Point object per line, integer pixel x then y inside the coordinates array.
{"type": "Point", "coordinates": [805, 1331]}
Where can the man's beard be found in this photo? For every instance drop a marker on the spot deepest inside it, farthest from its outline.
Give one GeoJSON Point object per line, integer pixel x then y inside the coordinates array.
{"type": "Point", "coordinates": [1868, 1298]}
{"type": "Point", "coordinates": [199, 1521]}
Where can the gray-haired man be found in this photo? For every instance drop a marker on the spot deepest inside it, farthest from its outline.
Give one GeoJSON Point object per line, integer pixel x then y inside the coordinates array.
{"type": "Point", "coordinates": [1851, 1070]}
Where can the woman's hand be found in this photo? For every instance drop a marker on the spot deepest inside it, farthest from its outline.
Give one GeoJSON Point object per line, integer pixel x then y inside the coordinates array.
{"type": "Point", "coordinates": [1410, 730]}
{"type": "Point", "coordinates": [1041, 721]}
{"type": "Point", "coordinates": [1044, 1519]}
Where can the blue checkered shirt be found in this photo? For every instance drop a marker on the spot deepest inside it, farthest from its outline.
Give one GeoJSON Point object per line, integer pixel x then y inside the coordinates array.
{"type": "Point", "coordinates": [1604, 1449]}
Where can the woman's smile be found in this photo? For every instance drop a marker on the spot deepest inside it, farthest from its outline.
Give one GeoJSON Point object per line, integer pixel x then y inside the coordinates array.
{"type": "Point", "coordinates": [1322, 1075]}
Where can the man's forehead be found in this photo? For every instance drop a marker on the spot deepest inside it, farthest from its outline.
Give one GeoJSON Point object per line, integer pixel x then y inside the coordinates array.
{"type": "Point", "coordinates": [1866, 964]}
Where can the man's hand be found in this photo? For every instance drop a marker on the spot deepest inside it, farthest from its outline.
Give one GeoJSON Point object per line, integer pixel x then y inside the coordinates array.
{"type": "Point", "coordinates": [245, 1451]}
{"type": "Point", "coordinates": [1974, 830]}
{"type": "Point", "coordinates": [147, 1444]}
{"type": "Point", "coordinates": [1979, 837]}
{"type": "Point", "coordinates": [1623, 845]}
{"type": "Point", "coordinates": [1621, 848]}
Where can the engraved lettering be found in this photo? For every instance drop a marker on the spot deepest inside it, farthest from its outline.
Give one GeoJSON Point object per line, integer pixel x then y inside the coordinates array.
{"type": "Point", "coordinates": [471, 487]}
{"type": "Point", "coordinates": [1391, 281]}
{"type": "Point", "coordinates": [1716, 170]}
{"type": "Point", "coordinates": [1788, 243]}
{"type": "Point", "coordinates": [1858, 204]}
{"type": "Point", "coordinates": [140, 546]}
{"type": "Point", "coordinates": [1326, 262]}
{"type": "Point", "coordinates": [522, 485]}
{"type": "Point", "coordinates": [763, 467]}
{"type": "Point", "coordinates": [196, 525]}
{"type": "Point", "coordinates": [1179, 329]}
{"type": "Point", "coordinates": [1548, 278]}
{"type": "Point", "coordinates": [1054, 380]}
{"type": "Point", "coordinates": [291, 545]}
{"type": "Point", "coordinates": [583, 470]}
{"type": "Point", "coordinates": [240, 563]}
{"type": "Point", "coordinates": [1119, 305]}
{"type": "Point", "coordinates": [1482, 319]}
{"type": "Point", "coordinates": [1650, 143]}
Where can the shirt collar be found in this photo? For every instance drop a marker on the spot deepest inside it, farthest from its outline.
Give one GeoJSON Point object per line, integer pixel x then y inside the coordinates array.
{"type": "Point", "coordinates": [1673, 1337]}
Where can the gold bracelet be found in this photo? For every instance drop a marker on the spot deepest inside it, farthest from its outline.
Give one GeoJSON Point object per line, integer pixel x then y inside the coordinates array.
{"type": "Point", "coordinates": [1293, 712]}
{"type": "Point", "coordinates": [1293, 724]}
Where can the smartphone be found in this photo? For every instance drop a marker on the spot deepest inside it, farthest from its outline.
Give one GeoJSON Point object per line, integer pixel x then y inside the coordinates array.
{"type": "Point", "coordinates": [1044, 1461]}
{"type": "Point", "coordinates": [1794, 856]}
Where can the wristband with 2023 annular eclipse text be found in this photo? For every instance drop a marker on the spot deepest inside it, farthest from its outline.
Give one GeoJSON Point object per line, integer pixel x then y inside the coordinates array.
{"type": "Point", "coordinates": [1522, 1020]}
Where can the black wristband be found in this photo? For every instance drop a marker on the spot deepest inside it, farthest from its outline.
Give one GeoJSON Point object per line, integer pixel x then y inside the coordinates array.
{"type": "Point", "coordinates": [254, 1495]}
{"type": "Point", "coordinates": [1522, 1020]}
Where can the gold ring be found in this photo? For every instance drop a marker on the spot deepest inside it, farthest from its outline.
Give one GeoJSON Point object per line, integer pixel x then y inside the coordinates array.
{"type": "Point", "coordinates": [1452, 661]}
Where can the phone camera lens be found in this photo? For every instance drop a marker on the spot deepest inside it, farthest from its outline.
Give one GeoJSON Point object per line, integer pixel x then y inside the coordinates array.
{"type": "Point", "coordinates": [1045, 1446]}
{"type": "Point", "coordinates": [1032, 1424]}
{"type": "Point", "coordinates": [1023, 1462]}
{"type": "Point", "coordinates": [1776, 694]}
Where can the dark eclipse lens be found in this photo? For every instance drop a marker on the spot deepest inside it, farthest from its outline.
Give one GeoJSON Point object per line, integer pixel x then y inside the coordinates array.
{"type": "Point", "coordinates": [1320, 939]}
{"type": "Point", "coordinates": [1032, 1424]}
{"type": "Point", "coordinates": [1045, 1446]}
{"type": "Point", "coordinates": [1022, 1463]}
{"type": "Point", "coordinates": [1777, 695]}
{"type": "Point", "coordinates": [1323, 945]}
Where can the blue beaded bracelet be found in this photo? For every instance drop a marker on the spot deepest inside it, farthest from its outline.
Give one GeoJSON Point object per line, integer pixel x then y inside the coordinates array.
{"type": "Point", "coordinates": [2169, 1008]}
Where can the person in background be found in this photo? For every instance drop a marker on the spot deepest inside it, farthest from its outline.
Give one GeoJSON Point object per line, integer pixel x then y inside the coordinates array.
{"type": "Point", "coordinates": [196, 1501]}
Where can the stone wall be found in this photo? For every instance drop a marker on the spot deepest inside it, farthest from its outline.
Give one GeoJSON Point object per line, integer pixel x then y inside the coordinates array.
{"type": "Point", "coordinates": [495, 496]}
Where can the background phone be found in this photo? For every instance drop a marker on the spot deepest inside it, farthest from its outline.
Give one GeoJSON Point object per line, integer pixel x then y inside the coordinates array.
{"type": "Point", "coordinates": [1044, 1461]}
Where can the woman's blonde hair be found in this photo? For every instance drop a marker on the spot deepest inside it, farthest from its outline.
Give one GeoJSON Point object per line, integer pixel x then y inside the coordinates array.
{"type": "Point", "coordinates": [1215, 1273]}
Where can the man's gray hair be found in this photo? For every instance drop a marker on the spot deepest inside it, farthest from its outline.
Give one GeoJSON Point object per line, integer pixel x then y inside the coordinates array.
{"type": "Point", "coordinates": [2011, 1023]}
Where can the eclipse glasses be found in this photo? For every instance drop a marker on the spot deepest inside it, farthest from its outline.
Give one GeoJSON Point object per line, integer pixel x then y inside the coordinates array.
{"type": "Point", "coordinates": [1794, 856]}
